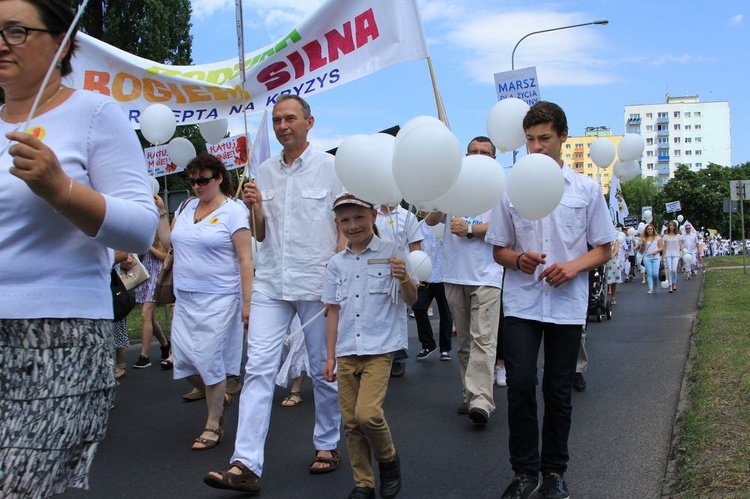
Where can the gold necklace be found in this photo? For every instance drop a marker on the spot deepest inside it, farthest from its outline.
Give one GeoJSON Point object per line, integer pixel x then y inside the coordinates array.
{"type": "Point", "coordinates": [10, 116]}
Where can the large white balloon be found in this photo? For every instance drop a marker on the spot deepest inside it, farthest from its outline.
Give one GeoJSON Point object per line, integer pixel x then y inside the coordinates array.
{"type": "Point", "coordinates": [505, 124]}
{"type": "Point", "coordinates": [214, 131]}
{"type": "Point", "coordinates": [602, 152]}
{"type": "Point", "coordinates": [426, 162]}
{"type": "Point", "coordinates": [479, 186]}
{"type": "Point", "coordinates": [647, 214]}
{"type": "Point", "coordinates": [680, 218]}
{"type": "Point", "coordinates": [419, 265]}
{"type": "Point", "coordinates": [535, 186]}
{"type": "Point", "coordinates": [641, 227]}
{"type": "Point", "coordinates": [626, 171]}
{"type": "Point", "coordinates": [158, 123]}
{"type": "Point", "coordinates": [155, 185]}
{"type": "Point", "coordinates": [630, 147]}
{"type": "Point", "coordinates": [632, 232]}
{"type": "Point", "coordinates": [181, 151]}
{"type": "Point", "coordinates": [364, 166]}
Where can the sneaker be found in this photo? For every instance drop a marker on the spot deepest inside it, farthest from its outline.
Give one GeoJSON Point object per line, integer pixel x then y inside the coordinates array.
{"type": "Point", "coordinates": [411, 314]}
{"type": "Point", "coordinates": [553, 487]}
{"type": "Point", "coordinates": [445, 356]}
{"type": "Point", "coordinates": [430, 313]}
{"type": "Point", "coordinates": [463, 408]}
{"type": "Point", "coordinates": [424, 353]}
{"type": "Point", "coordinates": [579, 384]}
{"type": "Point", "coordinates": [165, 350]}
{"type": "Point", "coordinates": [478, 416]}
{"type": "Point", "coordinates": [142, 363]}
{"type": "Point", "coordinates": [522, 487]}
{"type": "Point", "coordinates": [194, 394]}
{"type": "Point", "coordinates": [500, 379]}
{"type": "Point", "coordinates": [362, 493]}
{"type": "Point", "coordinates": [398, 369]}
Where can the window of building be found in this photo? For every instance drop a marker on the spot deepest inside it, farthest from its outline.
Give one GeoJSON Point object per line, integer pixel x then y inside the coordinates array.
{"type": "Point", "coordinates": [590, 175]}
{"type": "Point", "coordinates": [677, 140]}
{"type": "Point", "coordinates": [697, 139]}
{"type": "Point", "coordinates": [649, 154]}
{"type": "Point", "coordinates": [687, 114]}
{"type": "Point", "coordinates": [699, 165]}
{"type": "Point", "coordinates": [698, 152]}
{"type": "Point", "coordinates": [579, 155]}
{"type": "Point", "coordinates": [649, 115]}
{"type": "Point", "coordinates": [567, 146]}
{"type": "Point", "coordinates": [662, 127]}
{"type": "Point", "coordinates": [697, 127]}
{"type": "Point", "coordinates": [663, 115]}
{"type": "Point", "coordinates": [663, 140]}
{"type": "Point", "coordinates": [676, 114]}
{"type": "Point", "coordinates": [697, 114]}
{"type": "Point", "coordinates": [688, 153]}
{"type": "Point", "coordinates": [688, 140]}
{"type": "Point", "coordinates": [635, 116]}
{"type": "Point", "coordinates": [606, 175]}
{"type": "Point", "coordinates": [687, 127]}
{"type": "Point", "coordinates": [676, 126]}
{"type": "Point", "coordinates": [650, 141]}
{"type": "Point", "coordinates": [676, 152]}
{"type": "Point", "coordinates": [649, 166]}
{"type": "Point", "coordinates": [649, 128]}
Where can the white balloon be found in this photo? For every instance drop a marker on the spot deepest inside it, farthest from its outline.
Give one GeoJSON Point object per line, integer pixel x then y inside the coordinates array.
{"type": "Point", "coordinates": [505, 124]}
{"type": "Point", "coordinates": [155, 185]}
{"type": "Point", "coordinates": [630, 147]}
{"type": "Point", "coordinates": [479, 186]}
{"type": "Point", "coordinates": [688, 258]}
{"type": "Point", "coordinates": [647, 214]}
{"type": "Point", "coordinates": [665, 284]}
{"type": "Point", "coordinates": [535, 186]}
{"type": "Point", "coordinates": [417, 122]}
{"type": "Point", "coordinates": [626, 171]}
{"type": "Point", "coordinates": [158, 123]}
{"type": "Point", "coordinates": [632, 232]}
{"type": "Point", "coordinates": [641, 227]}
{"type": "Point", "coordinates": [680, 218]}
{"type": "Point", "coordinates": [621, 237]}
{"type": "Point", "coordinates": [602, 152]}
{"type": "Point", "coordinates": [181, 151]}
{"type": "Point", "coordinates": [364, 166]}
{"type": "Point", "coordinates": [214, 131]}
{"type": "Point", "coordinates": [419, 265]}
{"type": "Point", "coordinates": [426, 162]}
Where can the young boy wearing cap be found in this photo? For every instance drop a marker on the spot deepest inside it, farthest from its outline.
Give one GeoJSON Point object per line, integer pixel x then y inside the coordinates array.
{"type": "Point", "coordinates": [366, 324]}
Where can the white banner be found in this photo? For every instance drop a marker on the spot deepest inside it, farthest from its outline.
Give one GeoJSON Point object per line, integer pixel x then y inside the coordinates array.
{"type": "Point", "coordinates": [673, 207]}
{"type": "Point", "coordinates": [158, 162]}
{"type": "Point", "coordinates": [340, 42]}
{"type": "Point", "coordinates": [232, 151]}
{"type": "Point", "coordinates": [521, 84]}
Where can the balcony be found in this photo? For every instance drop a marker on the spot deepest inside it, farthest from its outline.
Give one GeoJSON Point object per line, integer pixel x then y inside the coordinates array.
{"type": "Point", "coordinates": [634, 121]}
{"type": "Point", "coordinates": [662, 158]}
{"type": "Point", "coordinates": [662, 133]}
{"type": "Point", "coordinates": [663, 119]}
{"type": "Point", "coordinates": [663, 169]}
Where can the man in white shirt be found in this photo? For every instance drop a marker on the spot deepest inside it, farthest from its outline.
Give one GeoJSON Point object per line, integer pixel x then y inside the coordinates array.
{"type": "Point", "coordinates": [690, 243]}
{"type": "Point", "coordinates": [291, 199]}
{"type": "Point", "coordinates": [472, 286]}
{"type": "Point", "coordinates": [546, 298]}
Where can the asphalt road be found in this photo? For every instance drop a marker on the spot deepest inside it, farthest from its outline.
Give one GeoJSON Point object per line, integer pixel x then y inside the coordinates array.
{"type": "Point", "coordinates": [619, 443]}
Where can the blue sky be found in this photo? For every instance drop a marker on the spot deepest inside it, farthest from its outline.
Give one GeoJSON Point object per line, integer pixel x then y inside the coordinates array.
{"type": "Point", "coordinates": [649, 49]}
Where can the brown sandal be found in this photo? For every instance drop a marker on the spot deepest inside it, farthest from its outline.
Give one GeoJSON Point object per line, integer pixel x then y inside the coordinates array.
{"type": "Point", "coordinates": [247, 481]}
{"type": "Point", "coordinates": [333, 462]}
{"type": "Point", "coordinates": [289, 399]}
{"type": "Point", "coordinates": [206, 443]}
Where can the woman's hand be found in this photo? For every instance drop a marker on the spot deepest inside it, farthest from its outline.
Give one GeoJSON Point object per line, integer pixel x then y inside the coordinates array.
{"type": "Point", "coordinates": [38, 166]}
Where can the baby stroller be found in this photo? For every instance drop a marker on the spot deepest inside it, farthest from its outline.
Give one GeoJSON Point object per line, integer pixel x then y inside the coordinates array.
{"type": "Point", "coordinates": [599, 304]}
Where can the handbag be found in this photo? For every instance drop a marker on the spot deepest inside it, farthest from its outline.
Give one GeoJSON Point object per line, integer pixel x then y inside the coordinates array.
{"type": "Point", "coordinates": [135, 275]}
{"type": "Point", "coordinates": [662, 272]}
{"type": "Point", "coordinates": [164, 291]}
{"type": "Point", "coordinates": [122, 301]}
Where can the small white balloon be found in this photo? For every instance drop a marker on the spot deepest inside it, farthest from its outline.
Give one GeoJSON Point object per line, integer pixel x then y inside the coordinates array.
{"type": "Point", "coordinates": [680, 218]}
{"type": "Point", "coordinates": [665, 284]}
{"type": "Point", "coordinates": [181, 151]}
{"type": "Point", "coordinates": [426, 162]}
{"type": "Point", "coordinates": [641, 227]}
{"type": "Point", "coordinates": [479, 187]}
{"type": "Point", "coordinates": [535, 186]}
{"type": "Point", "coordinates": [602, 152]}
{"type": "Point", "coordinates": [632, 232]}
{"type": "Point", "coordinates": [155, 185]}
{"type": "Point", "coordinates": [214, 131]}
{"type": "Point", "coordinates": [630, 147]}
{"type": "Point", "coordinates": [621, 237]}
{"type": "Point", "coordinates": [419, 265]}
{"type": "Point", "coordinates": [157, 124]}
{"type": "Point", "coordinates": [688, 258]}
{"type": "Point", "coordinates": [647, 214]}
{"type": "Point", "coordinates": [505, 124]}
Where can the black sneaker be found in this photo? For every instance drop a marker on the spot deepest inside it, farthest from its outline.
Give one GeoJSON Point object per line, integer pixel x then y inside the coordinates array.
{"type": "Point", "coordinates": [445, 356]}
{"type": "Point", "coordinates": [553, 487]}
{"type": "Point", "coordinates": [362, 493]}
{"type": "Point", "coordinates": [142, 362]}
{"type": "Point", "coordinates": [579, 384]}
{"type": "Point", "coordinates": [390, 478]}
{"type": "Point", "coordinates": [522, 487]}
{"type": "Point", "coordinates": [398, 369]}
{"type": "Point", "coordinates": [424, 353]}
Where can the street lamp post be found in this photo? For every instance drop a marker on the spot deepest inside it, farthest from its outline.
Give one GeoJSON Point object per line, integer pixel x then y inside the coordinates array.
{"type": "Point", "coordinates": [601, 22]}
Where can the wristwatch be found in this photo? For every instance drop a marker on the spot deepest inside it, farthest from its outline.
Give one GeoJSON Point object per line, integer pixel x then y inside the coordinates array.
{"type": "Point", "coordinates": [469, 233]}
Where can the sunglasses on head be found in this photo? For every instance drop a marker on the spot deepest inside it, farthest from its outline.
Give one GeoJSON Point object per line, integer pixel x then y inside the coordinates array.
{"type": "Point", "coordinates": [201, 181]}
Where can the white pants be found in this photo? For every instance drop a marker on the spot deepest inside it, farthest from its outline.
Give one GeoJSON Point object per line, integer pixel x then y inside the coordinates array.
{"type": "Point", "coordinates": [269, 322]}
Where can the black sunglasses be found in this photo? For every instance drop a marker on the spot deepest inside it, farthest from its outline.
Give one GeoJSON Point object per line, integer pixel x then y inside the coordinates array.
{"type": "Point", "coordinates": [201, 181]}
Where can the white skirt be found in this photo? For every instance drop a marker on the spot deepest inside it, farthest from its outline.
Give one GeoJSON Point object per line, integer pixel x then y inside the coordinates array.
{"type": "Point", "coordinates": [207, 334]}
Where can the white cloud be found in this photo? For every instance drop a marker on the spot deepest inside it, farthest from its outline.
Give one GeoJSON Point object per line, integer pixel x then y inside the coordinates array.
{"type": "Point", "coordinates": [272, 14]}
{"type": "Point", "coordinates": [734, 20]}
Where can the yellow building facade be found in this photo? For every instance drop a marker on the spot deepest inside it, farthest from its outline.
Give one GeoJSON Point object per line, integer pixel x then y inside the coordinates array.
{"type": "Point", "coordinates": [576, 152]}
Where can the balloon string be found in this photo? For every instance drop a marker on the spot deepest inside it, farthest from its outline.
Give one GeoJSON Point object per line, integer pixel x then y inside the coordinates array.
{"type": "Point", "coordinates": [303, 326]}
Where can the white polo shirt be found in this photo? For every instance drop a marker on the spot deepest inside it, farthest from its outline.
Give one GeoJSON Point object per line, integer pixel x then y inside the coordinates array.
{"type": "Point", "coordinates": [301, 234]}
{"type": "Point", "coordinates": [580, 219]}
{"type": "Point", "coordinates": [360, 283]}
{"type": "Point", "coordinates": [469, 262]}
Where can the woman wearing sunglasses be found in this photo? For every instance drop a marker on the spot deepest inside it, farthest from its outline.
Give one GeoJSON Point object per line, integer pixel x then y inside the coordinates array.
{"type": "Point", "coordinates": [210, 237]}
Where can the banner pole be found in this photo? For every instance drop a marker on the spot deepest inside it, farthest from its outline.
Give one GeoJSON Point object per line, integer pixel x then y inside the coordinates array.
{"type": "Point", "coordinates": [438, 100]}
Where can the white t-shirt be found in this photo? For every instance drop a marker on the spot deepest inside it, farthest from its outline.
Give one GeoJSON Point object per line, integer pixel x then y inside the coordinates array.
{"type": "Point", "coordinates": [205, 259]}
{"type": "Point", "coordinates": [398, 226]}
{"type": "Point", "coordinates": [469, 261]}
{"type": "Point", "coordinates": [48, 267]}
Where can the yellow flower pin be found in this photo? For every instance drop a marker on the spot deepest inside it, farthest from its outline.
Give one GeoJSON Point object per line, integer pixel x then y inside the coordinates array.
{"type": "Point", "coordinates": [213, 220]}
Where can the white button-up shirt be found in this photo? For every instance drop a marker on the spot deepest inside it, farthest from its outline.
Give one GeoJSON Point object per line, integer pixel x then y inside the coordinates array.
{"type": "Point", "coordinates": [580, 219]}
{"type": "Point", "coordinates": [360, 283]}
{"type": "Point", "coordinates": [301, 234]}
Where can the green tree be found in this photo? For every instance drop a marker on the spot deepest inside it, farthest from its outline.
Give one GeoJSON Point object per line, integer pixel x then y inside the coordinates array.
{"type": "Point", "coordinates": [640, 192]}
